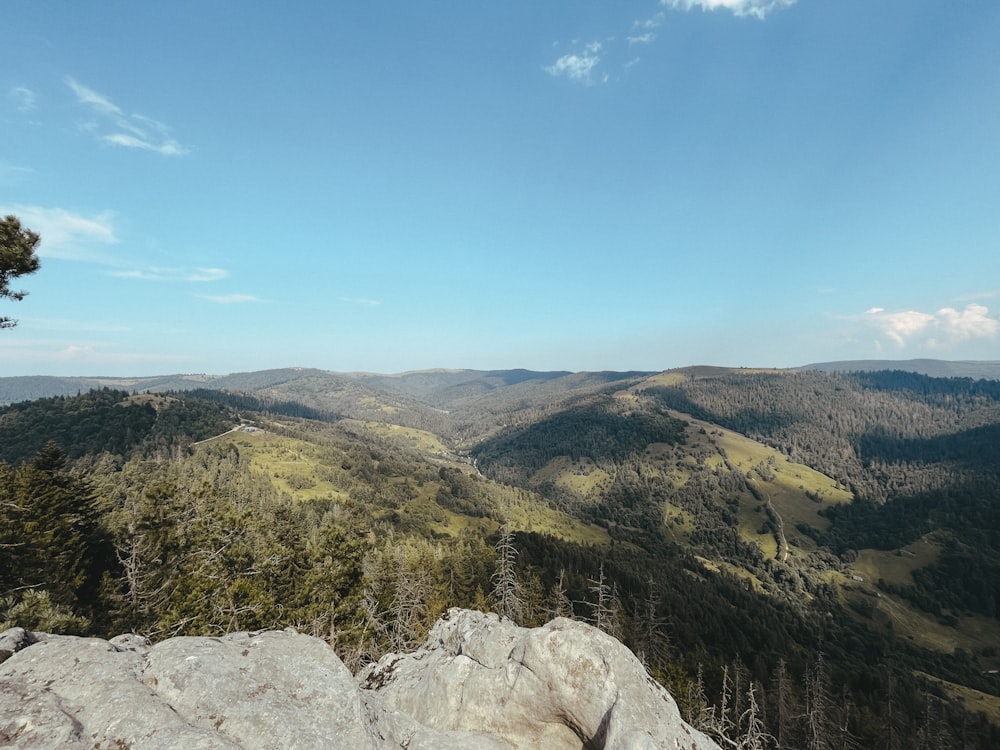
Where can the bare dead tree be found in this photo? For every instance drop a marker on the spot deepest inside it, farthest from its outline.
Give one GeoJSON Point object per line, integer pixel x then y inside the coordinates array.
{"type": "Point", "coordinates": [506, 593]}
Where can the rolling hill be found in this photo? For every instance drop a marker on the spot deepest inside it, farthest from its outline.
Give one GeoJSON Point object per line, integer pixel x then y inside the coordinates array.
{"type": "Point", "coordinates": [722, 521]}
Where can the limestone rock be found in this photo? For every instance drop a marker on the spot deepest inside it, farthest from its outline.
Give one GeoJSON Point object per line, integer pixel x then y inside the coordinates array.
{"type": "Point", "coordinates": [12, 641]}
{"type": "Point", "coordinates": [478, 683]}
{"type": "Point", "coordinates": [564, 685]}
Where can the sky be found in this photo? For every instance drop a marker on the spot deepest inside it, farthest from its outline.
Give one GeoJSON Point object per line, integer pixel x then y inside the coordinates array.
{"type": "Point", "coordinates": [590, 185]}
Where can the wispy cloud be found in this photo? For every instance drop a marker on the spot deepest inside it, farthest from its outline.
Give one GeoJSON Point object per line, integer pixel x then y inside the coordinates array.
{"type": "Point", "coordinates": [89, 97]}
{"type": "Point", "coordinates": [989, 294]}
{"type": "Point", "coordinates": [644, 32]}
{"type": "Point", "coordinates": [230, 299]}
{"type": "Point", "coordinates": [589, 64]}
{"type": "Point", "coordinates": [363, 301]}
{"type": "Point", "coordinates": [66, 234]}
{"type": "Point", "coordinates": [756, 8]}
{"type": "Point", "coordinates": [943, 329]}
{"type": "Point", "coordinates": [74, 353]}
{"type": "Point", "coordinates": [646, 38]}
{"type": "Point", "coordinates": [14, 171]}
{"type": "Point", "coordinates": [71, 324]}
{"type": "Point", "coordinates": [580, 66]}
{"type": "Point", "coordinates": [118, 128]}
{"type": "Point", "coordinates": [159, 273]}
{"type": "Point", "coordinates": [24, 99]}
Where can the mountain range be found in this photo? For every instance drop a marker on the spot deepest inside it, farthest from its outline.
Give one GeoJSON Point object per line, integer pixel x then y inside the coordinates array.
{"type": "Point", "coordinates": [828, 533]}
{"type": "Point", "coordinates": [439, 386]}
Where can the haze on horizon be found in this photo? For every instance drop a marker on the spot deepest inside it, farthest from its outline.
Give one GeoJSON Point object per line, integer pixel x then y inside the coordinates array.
{"type": "Point", "coordinates": [565, 186]}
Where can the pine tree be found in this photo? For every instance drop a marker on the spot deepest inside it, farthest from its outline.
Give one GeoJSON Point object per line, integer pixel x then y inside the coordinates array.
{"type": "Point", "coordinates": [17, 258]}
{"type": "Point", "coordinates": [785, 711]}
{"type": "Point", "coordinates": [51, 528]}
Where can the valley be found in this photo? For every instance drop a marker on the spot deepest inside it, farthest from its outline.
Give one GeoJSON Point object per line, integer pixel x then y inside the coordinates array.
{"type": "Point", "coordinates": [720, 522]}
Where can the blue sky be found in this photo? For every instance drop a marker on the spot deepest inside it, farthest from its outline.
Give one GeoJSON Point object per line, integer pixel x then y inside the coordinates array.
{"type": "Point", "coordinates": [583, 185]}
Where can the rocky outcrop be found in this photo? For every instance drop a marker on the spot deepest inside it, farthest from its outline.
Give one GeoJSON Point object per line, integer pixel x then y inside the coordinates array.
{"type": "Point", "coordinates": [565, 685]}
{"type": "Point", "coordinates": [478, 682]}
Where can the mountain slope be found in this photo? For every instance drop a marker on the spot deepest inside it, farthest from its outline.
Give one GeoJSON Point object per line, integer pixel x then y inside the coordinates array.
{"type": "Point", "coordinates": [711, 518]}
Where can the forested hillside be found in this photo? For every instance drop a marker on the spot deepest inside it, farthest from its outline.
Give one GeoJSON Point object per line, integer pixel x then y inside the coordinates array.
{"type": "Point", "coordinates": [816, 551]}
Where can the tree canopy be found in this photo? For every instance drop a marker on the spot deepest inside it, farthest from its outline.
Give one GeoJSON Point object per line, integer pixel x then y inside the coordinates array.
{"type": "Point", "coordinates": [17, 258]}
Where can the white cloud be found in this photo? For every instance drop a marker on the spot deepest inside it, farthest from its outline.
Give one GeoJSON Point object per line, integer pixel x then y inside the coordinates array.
{"type": "Point", "coordinates": [87, 96]}
{"type": "Point", "coordinates": [989, 294]}
{"type": "Point", "coordinates": [756, 8]}
{"type": "Point", "coordinates": [645, 29]}
{"type": "Point", "coordinates": [974, 322]}
{"type": "Point", "coordinates": [65, 234]}
{"type": "Point", "coordinates": [168, 147]}
{"type": "Point", "coordinates": [361, 301]}
{"type": "Point", "coordinates": [127, 130]}
{"type": "Point", "coordinates": [24, 99]}
{"type": "Point", "coordinates": [646, 38]}
{"type": "Point", "coordinates": [159, 273]}
{"type": "Point", "coordinates": [96, 356]}
{"type": "Point", "coordinates": [940, 330]}
{"type": "Point", "coordinates": [653, 22]}
{"type": "Point", "coordinates": [230, 299]}
{"type": "Point", "coordinates": [579, 67]}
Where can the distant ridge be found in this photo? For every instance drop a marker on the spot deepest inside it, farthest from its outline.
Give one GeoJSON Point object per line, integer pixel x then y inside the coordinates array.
{"type": "Point", "coordinates": [935, 368]}
{"type": "Point", "coordinates": [438, 388]}
{"type": "Point", "coordinates": [332, 392]}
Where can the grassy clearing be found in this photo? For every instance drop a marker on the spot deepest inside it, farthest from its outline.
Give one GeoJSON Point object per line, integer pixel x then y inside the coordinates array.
{"type": "Point", "coordinates": [678, 523]}
{"type": "Point", "coordinates": [891, 613]}
{"type": "Point", "coordinates": [156, 400]}
{"type": "Point", "coordinates": [796, 492]}
{"type": "Point", "coordinates": [582, 477]}
{"type": "Point", "coordinates": [751, 520]}
{"type": "Point", "coordinates": [664, 379]}
{"type": "Point", "coordinates": [308, 471]}
{"type": "Point", "coordinates": [974, 700]}
{"type": "Point", "coordinates": [897, 566]}
{"type": "Point", "coordinates": [371, 402]}
{"type": "Point", "coordinates": [718, 566]}
{"type": "Point", "coordinates": [787, 483]}
{"type": "Point", "coordinates": [294, 467]}
{"type": "Point", "coordinates": [421, 440]}
{"type": "Point", "coordinates": [538, 517]}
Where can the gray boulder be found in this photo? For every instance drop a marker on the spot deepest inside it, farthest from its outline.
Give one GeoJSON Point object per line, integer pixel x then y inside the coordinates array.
{"type": "Point", "coordinates": [564, 685]}
{"type": "Point", "coordinates": [478, 683]}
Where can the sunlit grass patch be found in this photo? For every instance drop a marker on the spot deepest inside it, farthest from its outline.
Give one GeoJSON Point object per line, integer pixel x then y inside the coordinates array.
{"type": "Point", "coordinates": [294, 467]}
{"type": "Point", "coordinates": [582, 477]}
{"type": "Point", "coordinates": [974, 700]}
{"type": "Point", "coordinates": [426, 442]}
{"type": "Point", "coordinates": [897, 566]}
{"type": "Point", "coordinates": [718, 566]}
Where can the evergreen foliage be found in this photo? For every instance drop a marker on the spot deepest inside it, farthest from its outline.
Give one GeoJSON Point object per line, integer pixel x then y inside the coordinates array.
{"type": "Point", "coordinates": [106, 421]}
{"type": "Point", "coordinates": [17, 258]}
{"type": "Point", "coordinates": [126, 524]}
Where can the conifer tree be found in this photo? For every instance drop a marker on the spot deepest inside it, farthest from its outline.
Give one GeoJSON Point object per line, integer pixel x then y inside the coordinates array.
{"type": "Point", "coordinates": [17, 258]}
{"type": "Point", "coordinates": [784, 711]}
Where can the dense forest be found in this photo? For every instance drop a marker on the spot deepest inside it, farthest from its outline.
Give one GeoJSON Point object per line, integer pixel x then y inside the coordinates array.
{"type": "Point", "coordinates": [814, 555]}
